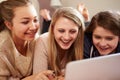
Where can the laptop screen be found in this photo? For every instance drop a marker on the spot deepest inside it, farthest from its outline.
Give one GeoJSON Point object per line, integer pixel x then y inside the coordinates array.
{"type": "Point", "coordinates": [99, 68]}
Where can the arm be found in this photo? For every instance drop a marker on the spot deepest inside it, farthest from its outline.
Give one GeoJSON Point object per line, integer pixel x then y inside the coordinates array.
{"type": "Point", "coordinates": [3, 71]}
{"type": "Point", "coordinates": [44, 75]}
{"type": "Point", "coordinates": [40, 61]}
{"type": "Point", "coordinates": [40, 65]}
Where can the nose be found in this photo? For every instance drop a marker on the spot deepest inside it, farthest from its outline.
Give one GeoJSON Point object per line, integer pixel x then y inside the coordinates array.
{"type": "Point", "coordinates": [33, 26]}
{"type": "Point", "coordinates": [66, 36]}
{"type": "Point", "coordinates": [103, 42]}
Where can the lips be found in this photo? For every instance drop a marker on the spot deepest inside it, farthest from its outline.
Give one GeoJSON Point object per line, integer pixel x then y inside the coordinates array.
{"type": "Point", "coordinates": [65, 42]}
{"type": "Point", "coordinates": [103, 48]}
{"type": "Point", "coordinates": [31, 34]}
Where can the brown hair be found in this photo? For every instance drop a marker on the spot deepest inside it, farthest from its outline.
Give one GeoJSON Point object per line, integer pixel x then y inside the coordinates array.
{"type": "Point", "coordinates": [7, 10]}
{"type": "Point", "coordinates": [108, 20]}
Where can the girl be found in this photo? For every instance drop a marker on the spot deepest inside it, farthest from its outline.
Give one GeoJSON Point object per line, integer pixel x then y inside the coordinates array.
{"type": "Point", "coordinates": [102, 36]}
{"type": "Point", "coordinates": [62, 44]}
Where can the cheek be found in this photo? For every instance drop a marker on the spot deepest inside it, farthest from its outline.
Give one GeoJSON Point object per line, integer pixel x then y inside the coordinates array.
{"type": "Point", "coordinates": [20, 30]}
{"type": "Point", "coordinates": [19, 27]}
{"type": "Point", "coordinates": [38, 25]}
{"type": "Point", "coordinates": [114, 44]}
{"type": "Point", "coordinates": [74, 36]}
{"type": "Point", "coordinates": [15, 29]}
{"type": "Point", "coordinates": [57, 37]}
{"type": "Point", "coordinates": [94, 41]}
{"type": "Point", "coordinates": [56, 34]}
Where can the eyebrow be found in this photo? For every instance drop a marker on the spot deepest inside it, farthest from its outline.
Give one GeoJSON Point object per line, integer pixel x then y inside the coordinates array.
{"type": "Point", "coordinates": [28, 17]}
{"type": "Point", "coordinates": [100, 35]}
{"type": "Point", "coordinates": [25, 18]}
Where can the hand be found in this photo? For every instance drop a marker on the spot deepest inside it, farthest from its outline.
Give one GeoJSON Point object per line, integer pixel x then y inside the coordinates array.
{"type": "Point", "coordinates": [60, 78]}
{"type": "Point", "coordinates": [45, 75]}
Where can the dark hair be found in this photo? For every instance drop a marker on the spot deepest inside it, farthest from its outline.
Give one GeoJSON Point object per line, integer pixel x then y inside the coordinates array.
{"type": "Point", "coordinates": [7, 10]}
{"type": "Point", "coordinates": [108, 20]}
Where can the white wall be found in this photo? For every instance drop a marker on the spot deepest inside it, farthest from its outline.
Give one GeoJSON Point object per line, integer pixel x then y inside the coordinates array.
{"type": "Point", "coordinates": [95, 6]}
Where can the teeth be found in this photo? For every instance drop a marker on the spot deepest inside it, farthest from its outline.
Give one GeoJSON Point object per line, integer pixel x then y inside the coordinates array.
{"type": "Point", "coordinates": [65, 42]}
{"type": "Point", "coordinates": [32, 33]}
{"type": "Point", "coordinates": [103, 48]}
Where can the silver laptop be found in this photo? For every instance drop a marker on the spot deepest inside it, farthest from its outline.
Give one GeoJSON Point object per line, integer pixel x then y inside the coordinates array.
{"type": "Point", "coordinates": [99, 68]}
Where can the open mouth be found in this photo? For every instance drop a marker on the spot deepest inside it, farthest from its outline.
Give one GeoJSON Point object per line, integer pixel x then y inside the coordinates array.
{"type": "Point", "coordinates": [103, 48]}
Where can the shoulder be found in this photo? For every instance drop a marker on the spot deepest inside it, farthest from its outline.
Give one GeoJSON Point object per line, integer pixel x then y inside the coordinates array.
{"type": "Point", "coordinates": [41, 45]}
{"type": "Point", "coordinates": [43, 37]}
{"type": "Point", "coordinates": [42, 41]}
{"type": "Point", "coordinates": [5, 41]}
{"type": "Point", "coordinates": [6, 47]}
{"type": "Point", "coordinates": [4, 35]}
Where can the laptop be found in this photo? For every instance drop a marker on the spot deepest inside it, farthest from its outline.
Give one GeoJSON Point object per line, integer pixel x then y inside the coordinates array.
{"type": "Point", "coordinates": [98, 68]}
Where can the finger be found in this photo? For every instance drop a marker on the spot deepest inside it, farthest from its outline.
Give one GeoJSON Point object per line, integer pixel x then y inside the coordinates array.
{"type": "Point", "coordinates": [44, 77]}
{"type": "Point", "coordinates": [41, 76]}
{"type": "Point", "coordinates": [49, 74]}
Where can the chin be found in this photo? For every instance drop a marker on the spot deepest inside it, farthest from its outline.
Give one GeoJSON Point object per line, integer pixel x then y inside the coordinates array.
{"type": "Point", "coordinates": [30, 39]}
{"type": "Point", "coordinates": [104, 53]}
{"type": "Point", "coordinates": [65, 48]}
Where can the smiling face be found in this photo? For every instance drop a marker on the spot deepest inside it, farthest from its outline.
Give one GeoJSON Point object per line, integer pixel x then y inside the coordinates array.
{"type": "Point", "coordinates": [25, 23]}
{"type": "Point", "coordinates": [65, 32]}
{"type": "Point", "coordinates": [104, 40]}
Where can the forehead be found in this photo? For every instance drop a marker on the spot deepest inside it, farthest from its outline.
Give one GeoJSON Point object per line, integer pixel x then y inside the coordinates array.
{"type": "Point", "coordinates": [103, 32]}
{"type": "Point", "coordinates": [64, 22]}
{"type": "Point", "coordinates": [24, 11]}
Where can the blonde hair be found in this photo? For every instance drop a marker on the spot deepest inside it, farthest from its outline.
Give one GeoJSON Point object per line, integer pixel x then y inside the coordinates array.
{"type": "Point", "coordinates": [77, 47]}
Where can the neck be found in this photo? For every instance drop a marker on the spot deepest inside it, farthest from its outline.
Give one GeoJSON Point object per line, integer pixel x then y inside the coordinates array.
{"type": "Point", "coordinates": [21, 46]}
{"type": "Point", "coordinates": [61, 53]}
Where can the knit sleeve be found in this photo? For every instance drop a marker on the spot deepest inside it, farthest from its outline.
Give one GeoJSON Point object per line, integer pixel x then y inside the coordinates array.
{"type": "Point", "coordinates": [40, 61]}
{"type": "Point", "coordinates": [4, 71]}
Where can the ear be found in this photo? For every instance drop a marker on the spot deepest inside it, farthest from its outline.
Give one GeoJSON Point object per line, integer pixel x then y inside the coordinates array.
{"type": "Point", "coordinates": [8, 24]}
